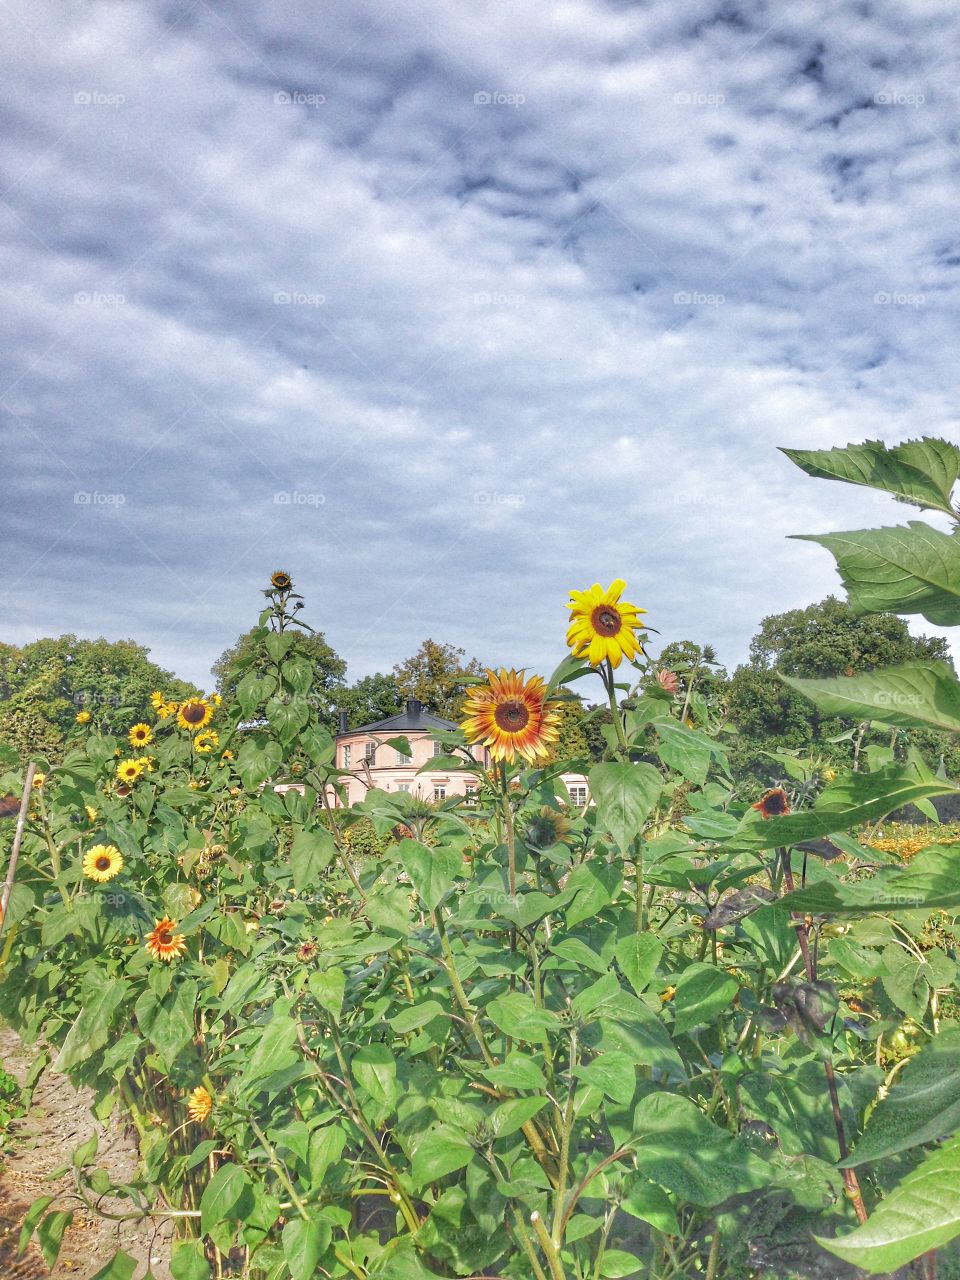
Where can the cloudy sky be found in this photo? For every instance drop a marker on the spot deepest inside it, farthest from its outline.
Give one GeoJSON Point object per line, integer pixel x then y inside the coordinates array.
{"type": "Point", "coordinates": [446, 308]}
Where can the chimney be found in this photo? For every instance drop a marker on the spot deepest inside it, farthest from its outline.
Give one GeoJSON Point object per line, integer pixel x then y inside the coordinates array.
{"type": "Point", "coordinates": [343, 725]}
{"type": "Point", "coordinates": [413, 708]}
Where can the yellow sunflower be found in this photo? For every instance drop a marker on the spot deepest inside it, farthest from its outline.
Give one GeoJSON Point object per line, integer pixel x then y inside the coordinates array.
{"type": "Point", "coordinates": [602, 626]}
{"type": "Point", "coordinates": [82, 717]}
{"type": "Point", "coordinates": [199, 1104]}
{"type": "Point", "coordinates": [194, 714]}
{"type": "Point", "coordinates": [129, 770]}
{"type": "Point", "coordinates": [205, 742]}
{"type": "Point", "coordinates": [157, 700]}
{"type": "Point", "coordinates": [281, 581]}
{"type": "Point", "coordinates": [511, 716]}
{"type": "Point", "coordinates": [140, 735]}
{"type": "Point", "coordinates": [38, 780]}
{"type": "Point", "coordinates": [163, 942]}
{"type": "Point", "coordinates": [102, 862]}
{"type": "Point", "coordinates": [91, 812]}
{"type": "Point", "coordinates": [215, 699]}
{"type": "Point", "coordinates": [149, 763]}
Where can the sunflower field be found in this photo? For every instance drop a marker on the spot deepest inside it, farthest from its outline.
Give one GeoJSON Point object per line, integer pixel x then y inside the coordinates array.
{"type": "Point", "coordinates": [674, 1032]}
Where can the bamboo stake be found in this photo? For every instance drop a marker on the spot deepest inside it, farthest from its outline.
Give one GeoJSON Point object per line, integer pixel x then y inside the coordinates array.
{"type": "Point", "coordinates": [17, 838]}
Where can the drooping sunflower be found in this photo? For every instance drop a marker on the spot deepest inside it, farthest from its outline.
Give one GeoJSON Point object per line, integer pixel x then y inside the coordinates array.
{"type": "Point", "coordinates": [157, 700]}
{"type": "Point", "coordinates": [82, 717]}
{"type": "Point", "coordinates": [602, 626]}
{"type": "Point", "coordinates": [199, 1104]}
{"type": "Point", "coordinates": [205, 742]}
{"type": "Point", "coordinates": [102, 862]}
{"type": "Point", "coordinates": [281, 581]}
{"type": "Point", "coordinates": [163, 942]}
{"type": "Point", "coordinates": [129, 770]}
{"type": "Point", "coordinates": [773, 804]}
{"type": "Point", "coordinates": [194, 714]}
{"type": "Point", "coordinates": [511, 716]}
{"type": "Point", "coordinates": [140, 735]}
{"type": "Point", "coordinates": [546, 828]}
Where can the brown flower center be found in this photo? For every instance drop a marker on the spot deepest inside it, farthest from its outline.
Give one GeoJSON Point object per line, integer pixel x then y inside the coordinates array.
{"type": "Point", "coordinates": [164, 937]}
{"type": "Point", "coordinates": [193, 713]}
{"type": "Point", "coordinates": [606, 620]}
{"type": "Point", "coordinates": [512, 716]}
{"type": "Point", "coordinates": [103, 863]}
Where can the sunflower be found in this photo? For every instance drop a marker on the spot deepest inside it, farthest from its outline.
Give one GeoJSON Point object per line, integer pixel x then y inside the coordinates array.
{"type": "Point", "coordinates": [129, 770]}
{"type": "Point", "coordinates": [199, 1104]}
{"type": "Point", "coordinates": [163, 943]}
{"type": "Point", "coordinates": [205, 742]}
{"type": "Point", "coordinates": [773, 804]}
{"type": "Point", "coordinates": [102, 862]}
{"type": "Point", "coordinates": [91, 812]}
{"type": "Point", "coordinates": [306, 952]}
{"type": "Point", "coordinates": [511, 716]}
{"type": "Point", "coordinates": [281, 581]}
{"type": "Point", "coordinates": [166, 710]}
{"type": "Point", "coordinates": [668, 681]}
{"type": "Point", "coordinates": [157, 700]}
{"type": "Point", "coordinates": [546, 828]}
{"type": "Point", "coordinates": [82, 717]}
{"type": "Point", "coordinates": [194, 714]}
{"type": "Point", "coordinates": [603, 627]}
{"type": "Point", "coordinates": [215, 699]}
{"type": "Point", "coordinates": [148, 763]}
{"type": "Point", "coordinates": [38, 780]}
{"type": "Point", "coordinates": [140, 735]}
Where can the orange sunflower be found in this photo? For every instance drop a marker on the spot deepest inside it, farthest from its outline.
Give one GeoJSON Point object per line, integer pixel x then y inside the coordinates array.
{"type": "Point", "coordinates": [511, 717]}
{"type": "Point", "coordinates": [602, 626]}
{"type": "Point", "coordinates": [164, 943]}
{"type": "Point", "coordinates": [773, 804]}
{"type": "Point", "coordinates": [194, 714]}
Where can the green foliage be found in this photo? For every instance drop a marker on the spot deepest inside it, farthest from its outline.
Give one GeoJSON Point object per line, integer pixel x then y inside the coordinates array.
{"type": "Point", "coordinates": [435, 674]}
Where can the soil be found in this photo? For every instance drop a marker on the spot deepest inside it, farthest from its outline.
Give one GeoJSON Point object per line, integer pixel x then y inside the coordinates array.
{"type": "Point", "coordinates": [41, 1142]}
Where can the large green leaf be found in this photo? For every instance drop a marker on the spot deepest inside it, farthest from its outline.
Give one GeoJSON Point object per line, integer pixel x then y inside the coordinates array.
{"type": "Point", "coordinates": [431, 871]}
{"type": "Point", "coordinates": [920, 471]}
{"type": "Point", "coordinates": [702, 991]}
{"type": "Point", "coordinates": [310, 853]}
{"type": "Point", "coordinates": [923, 1213]}
{"type": "Point", "coordinates": [255, 764]}
{"type": "Point", "coordinates": [168, 1022]}
{"type": "Point", "coordinates": [91, 1030]}
{"type": "Point", "coordinates": [638, 955]}
{"type": "Point", "coordinates": [304, 1244]}
{"type": "Point", "coordinates": [686, 750]}
{"type": "Point", "coordinates": [223, 1196]}
{"type": "Point", "coordinates": [439, 1152]}
{"type": "Point", "coordinates": [923, 1105]}
{"type": "Point", "coordinates": [624, 795]}
{"type": "Point", "coordinates": [930, 882]}
{"type": "Point", "coordinates": [903, 569]}
{"type": "Point", "coordinates": [916, 694]}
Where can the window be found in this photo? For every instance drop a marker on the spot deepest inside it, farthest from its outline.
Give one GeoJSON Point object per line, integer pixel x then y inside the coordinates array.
{"type": "Point", "coordinates": [439, 793]}
{"type": "Point", "coordinates": [403, 758]}
{"type": "Point", "coordinates": [438, 749]}
{"type": "Point", "coordinates": [370, 752]}
{"type": "Point", "coordinates": [470, 796]}
{"type": "Point", "coordinates": [578, 793]}
{"type": "Point", "coordinates": [346, 757]}
{"type": "Point", "coordinates": [403, 786]}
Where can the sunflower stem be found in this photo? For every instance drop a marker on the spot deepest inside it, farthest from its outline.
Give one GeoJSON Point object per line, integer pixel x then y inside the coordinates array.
{"type": "Point", "coordinates": [608, 677]}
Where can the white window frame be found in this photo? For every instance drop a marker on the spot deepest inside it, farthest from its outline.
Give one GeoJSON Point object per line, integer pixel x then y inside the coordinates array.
{"type": "Point", "coordinates": [346, 755]}
{"type": "Point", "coordinates": [578, 793]}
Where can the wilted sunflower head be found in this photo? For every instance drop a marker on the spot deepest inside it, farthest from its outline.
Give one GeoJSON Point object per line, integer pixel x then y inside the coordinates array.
{"type": "Point", "coordinates": [102, 862]}
{"type": "Point", "coordinates": [773, 803]}
{"type": "Point", "coordinates": [129, 770]}
{"type": "Point", "coordinates": [140, 735]}
{"type": "Point", "coordinates": [157, 700]}
{"type": "Point", "coordinates": [194, 714]}
{"type": "Point", "coordinates": [602, 627]}
{"type": "Point", "coordinates": [281, 581]}
{"type": "Point", "coordinates": [306, 951]}
{"type": "Point", "coordinates": [546, 828]}
{"type": "Point", "coordinates": [511, 716]}
{"type": "Point", "coordinates": [91, 812]}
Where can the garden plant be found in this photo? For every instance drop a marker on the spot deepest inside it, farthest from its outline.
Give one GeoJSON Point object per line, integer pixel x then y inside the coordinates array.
{"type": "Point", "coordinates": [677, 1032]}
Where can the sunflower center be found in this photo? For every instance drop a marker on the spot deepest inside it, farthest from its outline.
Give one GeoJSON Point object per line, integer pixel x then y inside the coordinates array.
{"type": "Point", "coordinates": [193, 713]}
{"type": "Point", "coordinates": [103, 863]}
{"type": "Point", "coordinates": [512, 716]}
{"type": "Point", "coordinates": [606, 620]}
{"type": "Point", "coordinates": [164, 937]}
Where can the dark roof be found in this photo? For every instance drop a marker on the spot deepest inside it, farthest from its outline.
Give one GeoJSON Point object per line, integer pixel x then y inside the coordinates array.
{"type": "Point", "coordinates": [411, 719]}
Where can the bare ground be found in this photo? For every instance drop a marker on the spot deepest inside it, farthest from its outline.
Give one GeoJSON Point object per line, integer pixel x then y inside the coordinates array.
{"type": "Point", "coordinates": [43, 1141]}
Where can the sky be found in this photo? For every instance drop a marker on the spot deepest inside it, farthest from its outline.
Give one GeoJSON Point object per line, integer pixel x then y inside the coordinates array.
{"type": "Point", "coordinates": [448, 308]}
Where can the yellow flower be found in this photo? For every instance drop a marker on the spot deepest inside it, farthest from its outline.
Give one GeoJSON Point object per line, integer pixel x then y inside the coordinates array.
{"type": "Point", "coordinates": [166, 710]}
{"type": "Point", "coordinates": [129, 770]}
{"type": "Point", "coordinates": [194, 714]}
{"type": "Point", "coordinates": [163, 942]}
{"type": "Point", "coordinates": [215, 699]}
{"type": "Point", "coordinates": [829, 775]}
{"type": "Point", "coordinates": [157, 700]}
{"type": "Point", "coordinates": [602, 627]}
{"type": "Point", "coordinates": [82, 717]}
{"type": "Point", "coordinates": [38, 780]}
{"type": "Point", "coordinates": [511, 716]}
{"type": "Point", "coordinates": [140, 735]}
{"type": "Point", "coordinates": [91, 812]}
{"type": "Point", "coordinates": [102, 862]}
{"type": "Point", "coordinates": [205, 742]}
{"type": "Point", "coordinates": [199, 1104]}
{"type": "Point", "coordinates": [281, 581]}
{"type": "Point", "coordinates": [148, 762]}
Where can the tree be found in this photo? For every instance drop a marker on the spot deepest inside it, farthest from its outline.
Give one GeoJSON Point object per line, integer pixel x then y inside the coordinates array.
{"type": "Point", "coordinates": [44, 684]}
{"type": "Point", "coordinates": [370, 699]}
{"type": "Point", "coordinates": [435, 675]}
{"type": "Point", "coordinates": [248, 655]}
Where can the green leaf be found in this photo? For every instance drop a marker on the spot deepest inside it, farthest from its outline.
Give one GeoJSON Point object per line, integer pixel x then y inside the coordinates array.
{"type": "Point", "coordinates": [905, 569]}
{"type": "Point", "coordinates": [930, 883]}
{"type": "Point", "coordinates": [517, 1016]}
{"type": "Point", "coordinates": [685, 750]}
{"type": "Point", "coordinates": [591, 886]}
{"type": "Point", "coordinates": [375, 1070]}
{"type": "Point", "coordinates": [922, 1213]}
{"type": "Point", "coordinates": [304, 1244]}
{"type": "Point", "coordinates": [120, 1267]}
{"type": "Point", "coordinates": [923, 1104]}
{"type": "Point", "coordinates": [924, 694]}
{"type": "Point", "coordinates": [222, 1197]}
{"type": "Point", "coordinates": [255, 764]}
{"type": "Point", "coordinates": [310, 853]}
{"type": "Point", "coordinates": [702, 991]}
{"type": "Point", "coordinates": [273, 1050]}
{"type": "Point", "coordinates": [638, 955]}
{"type": "Point", "coordinates": [188, 1261]}
{"type": "Point", "coordinates": [431, 871]}
{"type": "Point", "coordinates": [514, 1114]}
{"type": "Point", "coordinates": [417, 1015]}
{"type": "Point", "coordinates": [438, 1153]}
{"type": "Point", "coordinates": [624, 795]}
{"type": "Point", "coordinates": [614, 1074]}
{"type": "Point", "coordinates": [93, 1024]}
{"type": "Point", "coordinates": [50, 1234]}
{"type": "Point", "coordinates": [252, 692]}
{"type": "Point", "coordinates": [517, 1071]}
{"type": "Point", "coordinates": [286, 715]}
{"type": "Point", "coordinates": [169, 1022]}
{"type": "Point", "coordinates": [30, 1220]}
{"type": "Point", "coordinates": [650, 1203]}
{"type": "Point", "coordinates": [617, 1262]}
{"type": "Point", "coordinates": [920, 471]}
{"type": "Point", "coordinates": [278, 644]}
{"type": "Point", "coordinates": [327, 989]}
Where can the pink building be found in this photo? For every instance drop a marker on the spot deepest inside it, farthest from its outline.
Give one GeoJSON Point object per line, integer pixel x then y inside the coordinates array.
{"type": "Point", "coordinates": [365, 754]}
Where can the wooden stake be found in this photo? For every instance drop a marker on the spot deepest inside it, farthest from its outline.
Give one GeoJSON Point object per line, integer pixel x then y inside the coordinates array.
{"type": "Point", "coordinates": [17, 838]}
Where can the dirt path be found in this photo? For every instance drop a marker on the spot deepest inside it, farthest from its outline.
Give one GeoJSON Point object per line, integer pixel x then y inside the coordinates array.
{"type": "Point", "coordinates": [43, 1141]}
